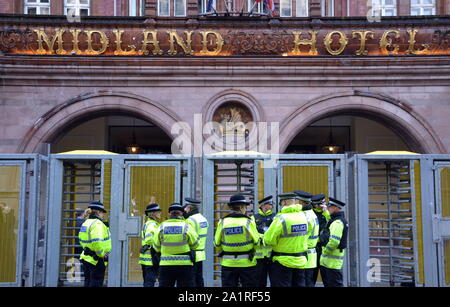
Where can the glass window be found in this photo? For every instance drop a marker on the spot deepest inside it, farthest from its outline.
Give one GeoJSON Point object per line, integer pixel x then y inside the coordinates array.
{"type": "Point", "coordinates": [327, 7]}
{"type": "Point", "coordinates": [163, 8]}
{"type": "Point", "coordinates": [37, 7]}
{"type": "Point", "coordinates": [302, 8]}
{"type": "Point", "coordinates": [257, 7]}
{"type": "Point", "coordinates": [285, 8]}
{"type": "Point", "coordinates": [384, 7]}
{"type": "Point", "coordinates": [77, 7]}
{"type": "Point", "coordinates": [180, 7]}
{"type": "Point", "coordinates": [203, 5]}
{"type": "Point", "coordinates": [423, 7]}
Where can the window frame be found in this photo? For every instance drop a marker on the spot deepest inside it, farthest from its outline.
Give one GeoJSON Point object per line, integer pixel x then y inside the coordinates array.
{"type": "Point", "coordinates": [290, 8]}
{"type": "Point", "coordinates": [297, 6]}
{"type": "Point", "coordinates": [259, 8]}
{"type": "Point", "coordinates": [184, 7]}
{"type": "Point", "coordinates": [38, 5]}
{"type": "Point", "coordinates": [204, 6]}
{"type": "Point", "coordinates": [78, 7]}
{"type": "Point", "coordinates": [384, 7]}
{"type": "Point", "coordinates": [422, 6]}
{"type": "Point", "coordinates": [158, 8]}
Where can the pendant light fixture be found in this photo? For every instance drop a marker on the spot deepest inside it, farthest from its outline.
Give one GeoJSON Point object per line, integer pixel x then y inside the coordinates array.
{"type": "Point", "coordinates": [330, 146]}
{"type": "Point", "coordinates": [133, 148]}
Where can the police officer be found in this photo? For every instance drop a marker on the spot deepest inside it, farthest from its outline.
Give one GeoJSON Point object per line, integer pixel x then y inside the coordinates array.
{"type": "Point", "coordinates": [200, 225]}
{"type": "Point", "coordinates": [334, 241]}
{"type": "Point", "coordinates": [95, 239]}
{"type": "Point", "coordinates": [288, 236]}
{"type": "Point", "coordinates": [148, 258]}
{"type": "Point", "coordinates": [236, 237]}
{"type": "Point", "coordinates": [176, 240]}
{"type": "Point", "coordinates": [323, 216]}
{"type": "Point", "coordinates": [263, 219]}
{"type": "Point", "coordinates": [313, 236]}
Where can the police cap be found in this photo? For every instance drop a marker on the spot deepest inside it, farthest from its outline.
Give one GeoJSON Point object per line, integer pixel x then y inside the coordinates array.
{"type": "Point", "coordinates": [238, 199]}
{"type": "Point", "coordinates": [284, 196]}
{"type": "Point", "coordinates": [191, 201]}
{"type": "Point", "coordinates": [152, 207]}
{"type": "Point", "coordinates": [302, 195]}
{"type": "Point", "coordinates": [97, 206]}
{"type": "Point", "coordinates": [266, 200]}
{"type": "Point", "coordinates": [318, 198]}
{"type": "Point", "coordinates": [175, 206]}
{"type": "Point", "coordinates": [335, 202]}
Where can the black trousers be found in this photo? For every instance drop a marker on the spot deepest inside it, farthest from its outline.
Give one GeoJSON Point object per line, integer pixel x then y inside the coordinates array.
{"type": "Point", "coordinates": [262, 267]}
{"type": "Point", "coordinates": [282, 276]}
{"type": "Point", "coordinates": [94, 275]}
{"type": "Point", "coordinates": [233, 276]}
{"type": "Point", "coordinates": [198, 274]}
{"type": "Point", "coordinates": [310, 279]}
{"type": "Point", "coordinates": [317, 268]}
{"type": "Point", "coordinates": [149, 273]}
{"type": "Point", "coordinates": [331, 277]}
{"type": "Point", "coordinates": [181, 275]}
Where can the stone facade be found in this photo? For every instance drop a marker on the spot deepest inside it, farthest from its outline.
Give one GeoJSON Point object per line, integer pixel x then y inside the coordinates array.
{"type": "Point", "coordinates": [44, 95]}
{"type": "Point", "coordinates": [106, 7]}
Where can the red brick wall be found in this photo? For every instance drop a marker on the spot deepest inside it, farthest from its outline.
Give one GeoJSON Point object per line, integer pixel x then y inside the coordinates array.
{"type": "Point", "coordinates": [102, 8]}
{"type": "Point", "coordinates": [106, 7]}
{"type": "Point", "coordinates": [7, 7]}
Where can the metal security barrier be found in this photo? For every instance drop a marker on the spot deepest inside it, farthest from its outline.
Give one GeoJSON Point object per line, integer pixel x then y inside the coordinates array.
{"type": "Point", "coordinates": [253, 175]}
{"type": "Point", "coordinates": [399, 226]}
{"type": "Point", "coordinates": [23, 187]}
{"type": "Point", "coordinates": [126, 184]}
{"type": "Point", "coordinates": [398, 207]}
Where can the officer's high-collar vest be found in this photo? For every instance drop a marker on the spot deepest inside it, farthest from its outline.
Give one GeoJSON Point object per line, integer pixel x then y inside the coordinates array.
{"type": "Point", "coordinates": [267, 213]}
{"type": "Point", "coordinates": [340, 216]}
{"type": "Point", "coordinates": [191, 213]}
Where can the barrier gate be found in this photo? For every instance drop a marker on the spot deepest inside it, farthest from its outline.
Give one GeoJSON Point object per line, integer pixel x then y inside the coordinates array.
{"type": "Point", "coordinates": [125, 184]}
{"type": "Point", "coordinates": [398, 207]}
{"type": "Point", "coordinates": [226, 174]}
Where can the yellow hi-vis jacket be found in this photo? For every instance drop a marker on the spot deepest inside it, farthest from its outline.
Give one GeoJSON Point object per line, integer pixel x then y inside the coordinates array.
{"type": "Point", "coordinates": [313, 237]}
{"type": "Point", "coordinates": [288, 234]}
{"type": "Point", "coordinates": [175, 239]}
{"type": "Point", "coordinates": [200, 225]}
{"type": "Point", "coordinates": [262, 250]}
{"type": "Point", "coordinates": [236, 238]}
{"type": "Point", "coordinates": [333, 257]}
{"type": "Point", "coordinates": [147, 236]}
{"type": "Point", "coordinates": [95, 235]}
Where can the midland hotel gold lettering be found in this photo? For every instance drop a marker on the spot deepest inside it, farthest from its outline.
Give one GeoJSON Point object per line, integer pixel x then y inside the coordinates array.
{"type": "Point", "coordinates": [169, 42]}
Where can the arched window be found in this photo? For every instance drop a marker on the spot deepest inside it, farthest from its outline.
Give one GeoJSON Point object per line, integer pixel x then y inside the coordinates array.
{"type": "Point", "coordinates": [37, 7]}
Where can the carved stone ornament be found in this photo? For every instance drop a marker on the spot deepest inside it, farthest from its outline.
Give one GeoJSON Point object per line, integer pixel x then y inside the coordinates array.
{"type": "Point", "coordinates": [232, 119]}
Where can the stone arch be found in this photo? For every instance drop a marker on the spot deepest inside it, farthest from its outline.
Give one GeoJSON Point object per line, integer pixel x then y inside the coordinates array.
{"type": "Point", "coordinates": [240, 97]}
{"type": "Point", "coordinates": [95, 104]}
{"type": "Point", "coordinates": [233, 95]}
{"type": "Point", "coordinates": [412, 128]}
